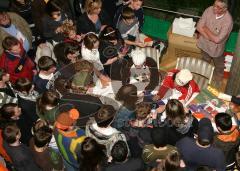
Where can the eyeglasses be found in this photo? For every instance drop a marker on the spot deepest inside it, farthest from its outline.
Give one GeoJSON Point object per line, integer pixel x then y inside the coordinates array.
{"type": "Point", "coordinates": [218, 7]}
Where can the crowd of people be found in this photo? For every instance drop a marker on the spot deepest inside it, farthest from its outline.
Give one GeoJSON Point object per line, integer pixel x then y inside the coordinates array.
{"type": "Point", "coordinates": [78, 93]}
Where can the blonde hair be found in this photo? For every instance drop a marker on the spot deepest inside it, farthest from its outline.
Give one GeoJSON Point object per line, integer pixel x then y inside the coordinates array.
{"type": "Point", "coordinates": [91, 5]}
{"type": "Point", "coordinates": [67, 27]}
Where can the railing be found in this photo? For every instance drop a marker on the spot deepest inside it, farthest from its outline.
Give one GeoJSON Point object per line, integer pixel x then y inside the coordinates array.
{"type": "Point", "coordinates": [169, 11]}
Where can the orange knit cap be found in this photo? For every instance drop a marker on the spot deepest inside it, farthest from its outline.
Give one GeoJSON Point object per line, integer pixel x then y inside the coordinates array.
{"type": "Point", "coordinates": [66, 119]}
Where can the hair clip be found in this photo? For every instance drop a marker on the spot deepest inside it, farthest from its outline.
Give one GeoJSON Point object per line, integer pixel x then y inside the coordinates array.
{"type": "Point", "coordinates": [109, 33]}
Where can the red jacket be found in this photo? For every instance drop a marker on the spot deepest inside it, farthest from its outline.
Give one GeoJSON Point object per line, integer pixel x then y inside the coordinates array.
{"type": "Point", "coordinates": [9, 62]}
{"type": "Point", "coordinates": [168, 83]}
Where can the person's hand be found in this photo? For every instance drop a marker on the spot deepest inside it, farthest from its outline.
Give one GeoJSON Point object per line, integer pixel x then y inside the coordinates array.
{"type": "Point", "coordinates": [141, 44]}
{"type": "Point", "coordinates": [78, 38]}
{"type": "Point", "coordinates": [161, 108]}
{"type": "Point", "coordinates": [155, 98]}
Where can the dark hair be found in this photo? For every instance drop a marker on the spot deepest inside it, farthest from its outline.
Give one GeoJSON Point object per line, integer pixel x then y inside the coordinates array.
{"type": "Point", "coordinates": [159, 137]}
{"type": "Point", "coordinates": [172, 161]}
{"type": "Point", "coordinates": [203, 168]}
{"type": "Point", "coordinates": [175, 112]}
{"type": "Point", "coordinates": [128, 95]}
{"type": "Point", "coordinates": [52, 6]}
{"type": "Point", "coordinates": [223, 121]}
{"type": "Point", "coordinates": [143, 109]}
{"type": "Point", "coordinates": [2, 73]}
{"type": "Point", "coordinates": [23, 84]}
{"type": "Point", "coordinates": [45, 63]}
{"type": "Point", "coordinates": [7, 110]}
{"type": "Point", "coordinates": [49, 97]}
{"type": "Point", "coordinates": [61, 50]}
{"type": "Point", "coordinates": [109, 33]}
{"type": "Point", "coordinates": [89, 40]}
{"type": "Point", "coordinates": [91, 154]}
{"type": "Point", "coordinates": [119, 151]}
{"type": "Point", "coordinates": [9, 42]}
{"type": "Point", "coordinates": [204, 142]}
{"type": "Point", "coordinates": [10, 133]}
{"type": "Point", "coordinates": [128, 13]}
{"type": "Point", "coordinates": [42, 136]}
{"type": "Point", "coordinates": [105, 115]}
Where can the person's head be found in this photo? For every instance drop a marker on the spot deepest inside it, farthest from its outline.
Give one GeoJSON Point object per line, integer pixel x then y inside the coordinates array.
{"type": "Point", "coordinates": [11, 133]}
{"type": "Point", "coordinates": [143, 109]}
{"type": "Point", "coordinates": [128, 15]}
{"type": "Point", "coordinates": [159, 137]}
{"type": "Point", "coordinates": [69, 29]}
{"type": "Point", "coordinates": [48, 100]}
{"type": "Point", "coordinates": [223, 122]}
{"type": "Point", "coordinates": [183, 77]}
{"type": "Point", "coordinates": [235, 108]}
{"type": "Point", "coordinates": [109, 34]}
{"type": "Point", "coordinates": [119, 152]}
{"type": "Point", "coordinates": [91, 154]}
{"type": "Point", "coordinates": [128, 95]}
{"type": "Point", "coordinates": [172, 161]}
{"type": "Point", "coordinates": [105, 116]}
{"type": "Point", "coordinates": [24, 85]}
{"type": "Point", "coordinates": [53, 10]}
{"type": "Point", "coordinates": [138, 58]}
{"type": "Point", "coordinates": [205, 132]}
{"type": "Point", "coordinates": [5, 20]}
{"type": "Point", "coordinates": [91, 41]}
{"type": "Point", "coordinates": [12, 45]}
{"type": "Point", "coordinates": [220, 7]}
{"type": "Point", "coordinates": [71, 53]}
{"type": "Point", "coordinates": [47, 64]}
{"type": "Point", "coordinates": [93, 6]}
{"type": "Point", "coordinates": [42, 136]}
{"type": "Point", "coordinates": [10, 111]}
{"type": "Point", "coordinates": [39, 124]}
{"type": "Point", "coordinates": [136, 4]}
{"type": "Point", "coordinates": [4, 76]}
{"type": "Point", "coordinates": [66, 120]}
{"type": "Point", "coordinates": [175, 112]}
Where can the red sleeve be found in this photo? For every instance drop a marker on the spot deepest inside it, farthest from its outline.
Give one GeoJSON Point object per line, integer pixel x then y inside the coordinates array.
{"type": "Point", "coordinates": [166, 84]}
{"type": "Point", "coordinates": [2, 60]}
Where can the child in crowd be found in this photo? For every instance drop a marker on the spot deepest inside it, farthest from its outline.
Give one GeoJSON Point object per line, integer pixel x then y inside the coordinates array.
{"type": "Point", "coordinates": [144, 116]}
{"type": "Point", "coordinates": [159, 149]}
{"type": "Point", "coordinates": [227, 137]}
{"type": "Point", "coordinates": [90, 51]}
{"type": "Point", "coordinates": [181, 85]}
{"type": "Point", "coordinates": [101, 130]}
{"type": "Point", "coordinates": [47, 105]}
{"type": "Point", "coordinates": [12, 113]}
{"type": "Point", "coordinates": [91, 155]}
{"type": "Point", "coordinates": [69, 31]}
{"type": "Point", "coordinates": [7, 94]}
{"type": "Point", "coordinates": [19, 153]}
{"type": "Point", "coordinates": [47, 68]}
{"type": "Point", "coordinates": [45, 157]}
{"type": "Point", "coordinates": [69, 138]}
{"type": "Point", "coordinates": [129, 28]}
{"type": "Point", "coordinates": [15, 60]}
{"type": "Point", "coordinates": [136, 6]}
{"type": "Point", "coordinates": [112, 50]}
{"type": "Point", "coordinates": [27, 97]}
{"type": "Point", "coordinates": [121, 159]}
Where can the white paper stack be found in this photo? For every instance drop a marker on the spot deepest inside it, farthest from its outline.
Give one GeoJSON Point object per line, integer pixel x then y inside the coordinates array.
{"type": "Point", "coordinates": [184, 26]}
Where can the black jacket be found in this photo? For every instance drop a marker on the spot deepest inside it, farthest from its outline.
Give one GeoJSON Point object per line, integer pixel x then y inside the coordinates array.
{"type": "Point", "coordinates": [85, 25]}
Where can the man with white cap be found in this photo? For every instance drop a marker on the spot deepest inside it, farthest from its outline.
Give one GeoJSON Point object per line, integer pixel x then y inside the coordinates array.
{"type": "Point", "coordinates": [182, 84]}
{"type": "Point", "coordinates": [141, 69]}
